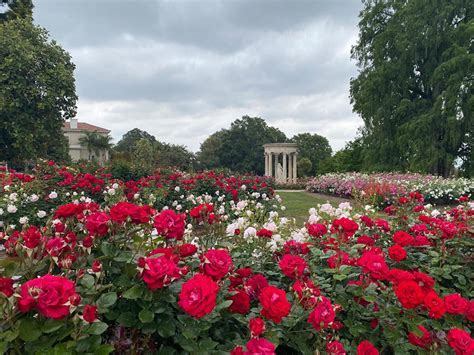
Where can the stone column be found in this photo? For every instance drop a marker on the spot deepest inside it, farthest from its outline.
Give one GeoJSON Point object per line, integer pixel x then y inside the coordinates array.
{"type": "Point", "coordinates": [295, 174]}
{"type": "Point", "coordinates": [269, 164]}
{"type": "Point", "coordinates": [265, 157]}
{"type": "Point", "coordinates": [285, 174]}
{"type": "Point", "coordinates": [290, 168]}
{"type": "Point", "coordinates": [276, 165]}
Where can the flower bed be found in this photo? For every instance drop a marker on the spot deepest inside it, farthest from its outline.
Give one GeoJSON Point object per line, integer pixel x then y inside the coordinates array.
{"type": "Point", "coordinates": [115, 272]}
{"type": "Point", "coordinates": [382, 189]}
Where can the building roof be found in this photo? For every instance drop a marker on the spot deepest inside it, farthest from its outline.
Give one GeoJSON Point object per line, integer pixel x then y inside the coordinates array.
{"type": "Point", "coordinates": [86, 127]}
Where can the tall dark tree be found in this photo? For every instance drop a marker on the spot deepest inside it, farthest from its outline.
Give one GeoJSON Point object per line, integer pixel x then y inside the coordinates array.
{"type": "Point", "coordinates": [414, 88]}
{"type": "Point", "coordinates": [37, 93]}
{"type": "Point", "coordinates": [242, 144]}
{"type": "Point", "coordinates": [131, 138]}
{"type": "Point", "coordinates": [208, 156]}
{"type": "Point", "coordinates": [14, 9]}
{"type": "Point", "coordinates": [313, 147]}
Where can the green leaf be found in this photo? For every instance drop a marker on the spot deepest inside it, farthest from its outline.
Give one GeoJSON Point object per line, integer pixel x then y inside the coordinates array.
{"type": "Point", "coordinates": [29, 330]}
{"type": "Point", "coordinates": [166, 327]}
{"type": "Point", "coordinates": [133, 293]}
{"type": "Point", "coordinates": [339, 277]}
{"type": "Point", "coordinates": [146, 316]}
{"type": "Point", "coordinates": [127, 319]}
{"type": "Point", "coordinates": [87, 281]}
{"type": "Point", "coordinates": [97, 328]}
{"type": "Point", "coordinates": [104, 349]}
{"type": "Point", "coordinates": [52, 325]}
{"type": "Point", "coordinates": [223, 305]}
{"type": "Point", "coordinates": [106, 300]}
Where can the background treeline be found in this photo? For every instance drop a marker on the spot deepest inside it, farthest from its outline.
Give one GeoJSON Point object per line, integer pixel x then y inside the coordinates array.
{"type": "Point", "coordinates": [413, 91]}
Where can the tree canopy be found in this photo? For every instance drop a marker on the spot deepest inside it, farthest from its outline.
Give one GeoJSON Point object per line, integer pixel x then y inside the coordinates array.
{"type": "Point", "coordinates": [37, 93]}
{"type": "Point", "coordinates": [240, 148]}
{"type": "Point", "coordinates": [131, 138]}
{"type": "Point", "coordinates": [22, 9]}
{"type": "Point", "coordinates": [414, 88]}
{"type": "Point", "coordinates": [313, 147]}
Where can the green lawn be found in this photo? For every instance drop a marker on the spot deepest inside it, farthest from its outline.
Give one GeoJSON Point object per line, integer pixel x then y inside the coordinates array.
{"type": "Point", "coordinates": [298, 203]}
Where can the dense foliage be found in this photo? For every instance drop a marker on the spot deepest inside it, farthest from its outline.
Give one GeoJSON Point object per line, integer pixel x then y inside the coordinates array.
{"type": "Point", "coordinates": [205, 264]}
{"type": "Point", "coordinates": [414, 90]}
{"type": "Point", "coordinates": [37, 93]}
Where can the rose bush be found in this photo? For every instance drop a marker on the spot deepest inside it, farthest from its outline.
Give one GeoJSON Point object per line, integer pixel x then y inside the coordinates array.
{"type": "Point", "coordinates": [143, 274]}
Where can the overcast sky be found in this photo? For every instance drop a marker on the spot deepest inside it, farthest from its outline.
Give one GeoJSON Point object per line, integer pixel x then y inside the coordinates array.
{"type": "Point", "coordinates": [184, 69]}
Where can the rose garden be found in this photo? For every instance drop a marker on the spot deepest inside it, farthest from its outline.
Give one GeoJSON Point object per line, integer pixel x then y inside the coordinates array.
{"type": "Point", "coordinates": [238, 177]}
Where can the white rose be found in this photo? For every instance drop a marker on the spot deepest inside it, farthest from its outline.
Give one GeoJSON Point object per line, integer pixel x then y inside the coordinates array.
{"type": "Point", "coordinates": [53, 195]}
{"type": "Point", "coordinates": [23, 220]}
{"type": "Point", "coordinates": [41, 214]}
{"type": "Point", "coordinates": [11, 209]}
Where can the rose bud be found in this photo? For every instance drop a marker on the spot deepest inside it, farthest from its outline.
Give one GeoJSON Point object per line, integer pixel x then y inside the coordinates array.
{"type": "Point", "coordinates": [89, 314]}
{"type": "Point", "coordinates": [75, 299]}
{"type": "Point", "coordinates": [96, 266]}
{"type": "Point", "coordinates": [88, 241]}
{"type": "Point", "coordinates": [257, 326]}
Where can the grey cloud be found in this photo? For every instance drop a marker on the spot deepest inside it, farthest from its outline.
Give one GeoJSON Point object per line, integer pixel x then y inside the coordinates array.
{"type": "Point", "coordinates": [184, 69]}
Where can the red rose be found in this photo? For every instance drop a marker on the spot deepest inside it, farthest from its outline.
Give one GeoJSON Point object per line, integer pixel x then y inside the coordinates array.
{"type": "Point", "coordinates": [367, 348]}
{"type": "Point", "coordinates": [32, 237]}
{"type": "Point", "coordinates": [240, 303]}
{"type": "Point", "coordinates": [323, 315]}
{"type": "Point", "coordinates": [97, 223]}
{"type": "Point", "coordinates": [403, 238]}
{"type": "Point", "coordinates": [198, 296]}
{"type": "Point", "coordinates": [89, 313]}
{"type": "Point", "coordinates": [88, 242]}
{"type": "Point", "coordinates": [96, 266]}
{"type": "Point", "coordinates": [461, 342]}
{"type": "Point", "coordinates": [374, 264]}
{"type": "Point", "coordinates": [338, 259]}
{"type": "Point", "coordinates": [409, 294]}
{"type": "Point", "coordinates": [255, 284]}
{"type": "Point", "coordinates": [123, 210]}
{"type": "Point", "coordinates": [263, 232]}
{"type": "Point", "coordinates": [292, 266]}
{"type": "Point", "coordinates": [187, 249]}
{"type": "Point", "coordinates": [469, 311]}
{"type": "Point", "coordinates": [203, 212]}
{"type": "Point", "coordinates": [423, 341]}
{"type": "Point", "coordinates": [274, 303]}
{"type": "Point", "coordinates": [397, 253]}
{"type": "Point", "coordinates": [216, 263]}
{"type": "Point", "coordinates": [256, 326]}
{"type": "Point", "coordinates": [160, 272]}
{"type": "Point", "coordinates": [48, 294]}
{"type": "Point", "coordinates": [316, 229]}
{"type": "Point", "coordinates": [260, 346]}
{"type": "Point", "coordinates": [306, 292]}
{"type": "Point", "coordinates": [435, 305]}
{"type": "Point", "coordinates": [6, 286]}
{"type": "Point", "coordinates": [68, 210]}
{"type": "Point", "coordinates": [345, 225]}
{"type": "Point", "coordinates": [56, 246]}
{"type": "Point", "coordinates": [170, 224]}
{"type": "Point", "coordinates": [238, 350]}
{"type": "Point", "coordinates": [455, 304]}
{"type": "Point", "coordinates": [335, 348]}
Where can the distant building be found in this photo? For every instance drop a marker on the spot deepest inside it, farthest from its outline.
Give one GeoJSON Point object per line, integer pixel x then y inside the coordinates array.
{"type": "Point", "coordinates": [74, 131]}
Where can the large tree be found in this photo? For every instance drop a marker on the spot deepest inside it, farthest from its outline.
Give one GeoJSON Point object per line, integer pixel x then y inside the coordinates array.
{"type": "Point", "coordinates": [313, 147]}
{"type": "Point", "coordinates": [414, 88]}
{"type": "Point", "coordinates": [131, 138]}
{"type": "Point", "coordinates": [37, 93]}
{"type": "Point", "coordinates": [208, 156]}
{"type": "Point", "coordinates": [242, 144]}
{"type": "Point", "coordinates": [14, 9]}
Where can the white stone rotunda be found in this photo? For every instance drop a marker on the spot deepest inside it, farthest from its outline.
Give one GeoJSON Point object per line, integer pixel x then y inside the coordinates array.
{"type": "Point", "coordinates": [280, 161]}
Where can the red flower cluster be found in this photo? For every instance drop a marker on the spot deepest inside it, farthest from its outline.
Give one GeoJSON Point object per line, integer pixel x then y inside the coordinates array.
{"type": "Point", "coordinates": [126, 211]}
{"type": "Point", "coordinates": [170, 224]}
{"type": "Point", "coordinates": [275, 306]}
{"type": "Point", "coordinates": [50, 295]}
